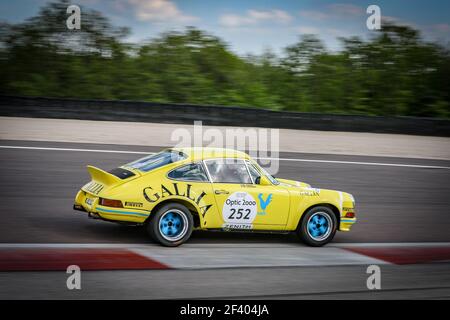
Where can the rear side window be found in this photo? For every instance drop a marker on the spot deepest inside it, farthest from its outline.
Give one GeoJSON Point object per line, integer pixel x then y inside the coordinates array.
{"type": "Point", "coordinates": [157, 160]}
{"type": "Point", "coordinates": [189, 172]}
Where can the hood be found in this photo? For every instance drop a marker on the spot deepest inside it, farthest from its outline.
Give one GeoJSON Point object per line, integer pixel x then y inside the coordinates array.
{"type": "Point", "coordinates": [293, 183]}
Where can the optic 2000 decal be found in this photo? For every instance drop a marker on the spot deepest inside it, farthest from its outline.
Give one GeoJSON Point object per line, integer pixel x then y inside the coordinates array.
{"type": "Point", "coordinates": [239, 211]}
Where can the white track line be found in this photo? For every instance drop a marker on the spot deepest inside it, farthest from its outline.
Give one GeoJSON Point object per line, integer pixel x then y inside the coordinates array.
{"type": "Point", "coordinates": [194, 256]}
{"type": "Point", "coordinates": [359, 163]}
{"type": "Point", "coordinates": [210, 256]}
{"type": "Point", "coordinates": [74, 149]}
{"type": "Point", "coordinates": [260, 158]}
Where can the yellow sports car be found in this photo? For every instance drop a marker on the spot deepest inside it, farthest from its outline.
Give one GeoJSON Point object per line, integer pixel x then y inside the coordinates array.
{"type": "Point", "coordinates": [181, 189]}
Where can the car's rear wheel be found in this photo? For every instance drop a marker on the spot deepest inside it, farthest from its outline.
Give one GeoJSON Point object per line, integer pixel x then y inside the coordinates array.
{"type": "Point", "coordinates": [318, 226]}
{"type": "Point", "coordinates": [171, 225]}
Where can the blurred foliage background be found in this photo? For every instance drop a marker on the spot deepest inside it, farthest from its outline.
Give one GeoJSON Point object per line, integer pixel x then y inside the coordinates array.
{"type": "Point", "coordinates": [393, 73]}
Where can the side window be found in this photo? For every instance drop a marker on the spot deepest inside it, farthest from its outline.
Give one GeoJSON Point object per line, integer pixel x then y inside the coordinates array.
{"type": "Point", "coordinates": [253, 172]}
{"type": "Point", "coordinates": [260, 171]}
{"type": "Point", "coordinates": [190, 172]}
{"type": "Point", "coordinates": [228, 171]}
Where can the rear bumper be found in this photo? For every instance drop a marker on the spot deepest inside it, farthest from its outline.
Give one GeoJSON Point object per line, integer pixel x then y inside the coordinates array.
{"type": "Point", "coordinates": [86, 202]}
{"type": "Point", "coordinates": [92, 215]}
{"type": "Point", "coordinates": [78, 207]}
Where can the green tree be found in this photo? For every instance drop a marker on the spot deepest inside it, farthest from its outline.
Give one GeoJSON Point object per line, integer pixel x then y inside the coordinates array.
{"type": "Point", "coordinates": [393, 73]}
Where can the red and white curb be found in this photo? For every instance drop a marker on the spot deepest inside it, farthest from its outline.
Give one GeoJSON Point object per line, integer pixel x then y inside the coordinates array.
{"type": "Point", "coordinates": [55, 257]}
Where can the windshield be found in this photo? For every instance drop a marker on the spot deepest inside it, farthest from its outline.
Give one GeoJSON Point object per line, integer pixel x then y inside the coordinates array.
{"type": "Point", "coordinates": [157, 160]}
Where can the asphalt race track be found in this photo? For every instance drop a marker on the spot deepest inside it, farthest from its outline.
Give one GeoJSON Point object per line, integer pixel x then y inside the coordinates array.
{"type": "Point", "coordinates": [394, 204]}
{"type": "Point", "coordinates": [398, 201]}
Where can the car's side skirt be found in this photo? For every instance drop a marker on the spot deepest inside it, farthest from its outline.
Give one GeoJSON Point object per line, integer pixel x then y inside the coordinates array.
{"type": "Point", "coordinates": [247, 231]}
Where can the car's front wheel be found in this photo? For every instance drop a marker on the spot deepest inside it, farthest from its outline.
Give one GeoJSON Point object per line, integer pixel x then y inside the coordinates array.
{"type": "Point", "coordinates": [318, 226]}
{"type": "Point", "coordinates": [171, 225]}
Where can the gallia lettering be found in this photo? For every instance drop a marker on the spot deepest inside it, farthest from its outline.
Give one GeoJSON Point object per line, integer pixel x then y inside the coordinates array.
{"type": "Point", "coordinates": [184, 191]}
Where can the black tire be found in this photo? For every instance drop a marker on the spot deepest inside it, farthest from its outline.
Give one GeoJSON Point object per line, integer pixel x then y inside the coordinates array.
{"type": "Point", "coordinates": [159, 230]}
{"type": "Point", "coordinates": [320, 233]}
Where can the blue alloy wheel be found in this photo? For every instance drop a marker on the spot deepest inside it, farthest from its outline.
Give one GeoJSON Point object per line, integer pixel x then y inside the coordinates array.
{"type": "Point", "coordinates": [319, 226]}
{"type": "Point", "coordinates": [173, 225]}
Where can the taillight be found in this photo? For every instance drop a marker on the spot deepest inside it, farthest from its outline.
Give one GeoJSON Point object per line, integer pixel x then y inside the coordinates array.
{"type": "Point", "coordinates": [350, 215]}
{"type": "Point", "coordinates": [110, 203]}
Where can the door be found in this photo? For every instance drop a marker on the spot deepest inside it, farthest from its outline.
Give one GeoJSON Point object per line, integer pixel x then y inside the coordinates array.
{"type": "Point", "coordinates": [242, 203]}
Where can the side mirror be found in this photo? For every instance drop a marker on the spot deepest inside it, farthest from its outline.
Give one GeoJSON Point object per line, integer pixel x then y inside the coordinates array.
{"type": "Point", "coordinates": [263, 181]}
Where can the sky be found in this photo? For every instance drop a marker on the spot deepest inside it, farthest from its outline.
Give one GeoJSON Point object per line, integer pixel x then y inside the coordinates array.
{"type": "Point", "coordinates": [252, 26]}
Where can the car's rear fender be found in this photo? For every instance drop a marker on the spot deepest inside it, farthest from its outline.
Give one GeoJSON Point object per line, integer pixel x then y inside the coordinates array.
{"type": "Point", "coordinates": [189, 205]}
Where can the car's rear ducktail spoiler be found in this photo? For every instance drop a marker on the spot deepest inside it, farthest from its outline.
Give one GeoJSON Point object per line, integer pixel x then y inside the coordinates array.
{"type": "Point", "coordinates": [102, 177]}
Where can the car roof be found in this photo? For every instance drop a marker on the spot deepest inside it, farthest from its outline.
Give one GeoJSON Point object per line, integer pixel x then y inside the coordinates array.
{"type": "Point", "coordinates": [201, 153]}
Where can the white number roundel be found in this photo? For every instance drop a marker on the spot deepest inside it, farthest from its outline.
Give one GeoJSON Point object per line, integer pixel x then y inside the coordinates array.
{"type": "Point", "coordinates": [240, 207]}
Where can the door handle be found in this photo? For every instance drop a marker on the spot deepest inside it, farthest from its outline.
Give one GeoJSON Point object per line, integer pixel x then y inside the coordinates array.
{"type": "Point", "coordinates": [221, 192]}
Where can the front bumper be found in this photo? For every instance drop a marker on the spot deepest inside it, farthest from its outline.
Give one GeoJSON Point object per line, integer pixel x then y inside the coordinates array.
{"type": "Point", "coordinates": [346, 223]}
